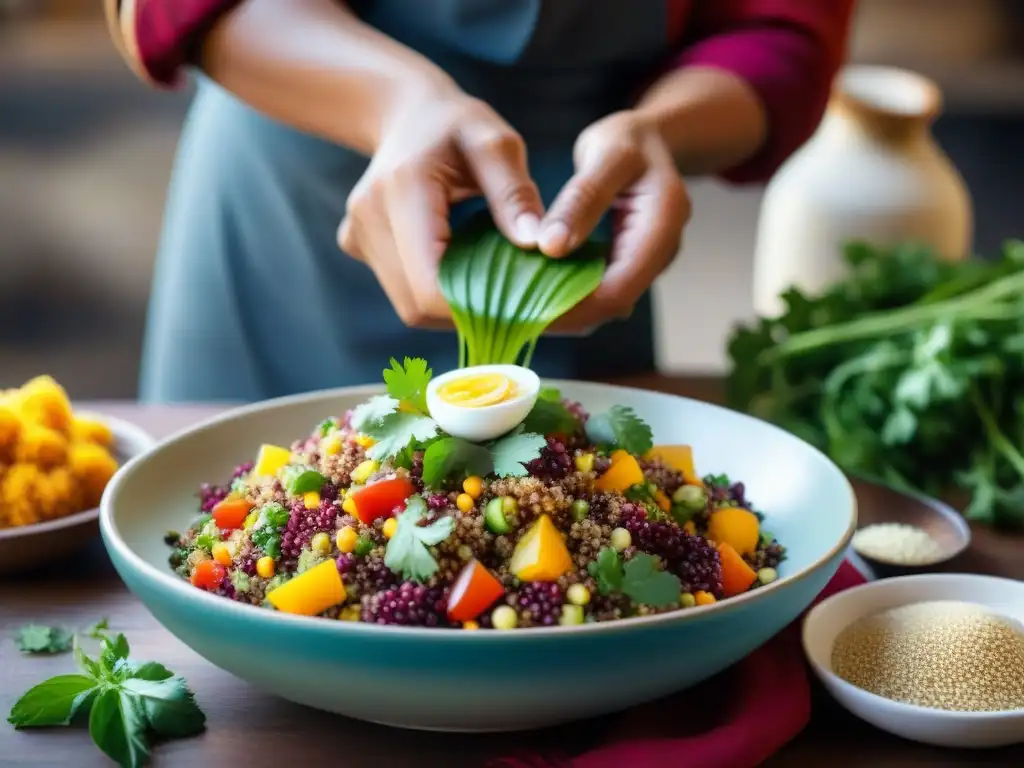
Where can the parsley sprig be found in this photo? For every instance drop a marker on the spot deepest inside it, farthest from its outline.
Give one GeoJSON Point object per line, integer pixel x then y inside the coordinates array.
{"type": "Point", "coordinates": [640, 579]}
{"type": "Point", "coordinates": [620, 427]}
{"type": "Point", "coordinates": [128, 703]}
{"type": "Point", "coordinates": [408, 551]}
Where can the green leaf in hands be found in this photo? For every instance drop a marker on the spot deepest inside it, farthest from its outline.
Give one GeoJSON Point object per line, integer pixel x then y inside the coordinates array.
{"type": "Point", "coordinates": [53, 702]}
{"type": "Point", "coordinates": [513, 451]}
{"type": "Point", "coordinates": [117, 725]}
{"type": "Point", "coordinates": [408, 382]}
{"type": "Point", "coordinates": [622, 428]}
{"type": "Point", "coordinates": [449, 455]}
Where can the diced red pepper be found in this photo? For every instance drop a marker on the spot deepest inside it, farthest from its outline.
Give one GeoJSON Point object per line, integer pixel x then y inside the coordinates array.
{"type": "Point", "coordinates": [231, 513]}
{"type": "Point", "coordinates": [207, 574]}
{"type": "Point", "coordinates": [474, 591]}
{"type": "Point", "coordinates": [382, 498]}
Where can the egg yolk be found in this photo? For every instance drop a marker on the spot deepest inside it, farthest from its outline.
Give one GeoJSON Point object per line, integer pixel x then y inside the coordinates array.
{"type": "Point", "coordinates": [478, 390]}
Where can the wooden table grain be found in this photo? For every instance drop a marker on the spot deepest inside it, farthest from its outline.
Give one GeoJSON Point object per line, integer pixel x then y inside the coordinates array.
{"type": "Point", "coordinates": [248, 727]}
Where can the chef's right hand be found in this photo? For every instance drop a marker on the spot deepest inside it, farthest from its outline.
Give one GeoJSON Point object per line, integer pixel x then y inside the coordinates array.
{"type": "Point", "coordinates": [438, 149]}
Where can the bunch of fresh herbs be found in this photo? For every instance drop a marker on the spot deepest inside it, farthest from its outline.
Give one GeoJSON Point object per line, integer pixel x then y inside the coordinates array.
{"type": "Point", "coordinates": [909, 372]}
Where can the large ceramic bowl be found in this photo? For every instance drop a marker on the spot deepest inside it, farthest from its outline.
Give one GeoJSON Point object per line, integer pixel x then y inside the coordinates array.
{"type": "Point", "coordinates": [480, 681]}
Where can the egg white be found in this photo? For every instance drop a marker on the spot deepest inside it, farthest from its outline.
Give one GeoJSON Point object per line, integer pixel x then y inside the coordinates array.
{"type": "Point", "coordinates": [490, 421]}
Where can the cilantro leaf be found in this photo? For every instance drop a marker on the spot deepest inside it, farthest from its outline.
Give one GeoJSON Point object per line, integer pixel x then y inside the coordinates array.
{"type": "Point", "coordinates": [607, 571]}
{"type": "Point", "coordinates": [620, 426]}
{"type": "Point", "coordinates": [117, 725]}
{"type": "Point", "coordinates": [407, 552]}
{"type": "Point", "coordinates": [396, 431]}
{"type": "Point", "coordinates": [447, 455]}
{"type": "Point", "coordinates": [512, 452]}
{"type": "Point", "coordinates": [96, 630]}
{"type": "Point", "coordinates": [34, 638]}
{"type": "Point", "coordinates": [644, 583]}
{"type": "Point", "coordinates": [408, 382]}
{"type": "Point", "coordinates": [168, 704]}
{"type": "Point", "coordinates": [53, 702]}
{"type": "Point", "coordinates": [550, 416]}
{"type": "Point", "coordinates": [373, 412]}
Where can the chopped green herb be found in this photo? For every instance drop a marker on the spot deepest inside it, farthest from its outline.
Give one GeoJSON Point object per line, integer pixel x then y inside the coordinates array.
{"type": "Point", "coordinates": [171, 538]}
{"type": "Point", "coordinates": [512, 452]}
{"type": "Point", "coordinates": [34, 638]}
{"type": "Point", "coordinates": [128, 704]}
{"type": "Point", "coordinates": [549, 416]}
{"type": "Point", "coordinates": [408, 552]}
{"type": "Point", "coordinates": [640, 579]}
{"type": "Point", "coordinates": [448, 455]}
{"type": "Point", "coordinates": [325, 427]}
{"type": "Point", "coordinates": [299, 480]}
{"type": "Point", "coordinates": [622, 428]}
{"type": "Point", "coordinates": [364, 545]}
{"type": "Point", "coordinates": [396, 431]}
{"type": "Point", "coordinates": [408, 382]}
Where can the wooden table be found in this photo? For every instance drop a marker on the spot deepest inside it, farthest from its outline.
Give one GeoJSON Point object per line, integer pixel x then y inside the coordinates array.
{"type": "Point", "coordinates": [247, 727]}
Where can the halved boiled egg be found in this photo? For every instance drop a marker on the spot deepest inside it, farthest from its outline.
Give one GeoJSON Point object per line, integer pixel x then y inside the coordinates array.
{"type": "Point", "coordinates": [482, 402]}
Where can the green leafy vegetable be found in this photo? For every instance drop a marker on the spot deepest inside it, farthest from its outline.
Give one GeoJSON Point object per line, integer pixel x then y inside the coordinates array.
{"type": "Point", "coordinates": [513, 451]}
{"type": "Point", "coordinates": [128, 703]}
{"type": "Point", "coordinates": [447, 455]}
{"type": "Point", "coordinates": [266, 534]}
{"type": "Point", "coordinates": [408, 552]}
{"type": "Point", "coordinates": [408, 382]}
{"type": "Point", "coordinates": [549, 416]}
{"type": "Point", "coordinates": [396, 431]}
{"type": "Point", "coordinates": [910, 371]}
{"type": "Point", "coordinates": [299, 480]}
{"type": "Point", "coordinates": [640, 579]}
{"type": "Point", "coordinates": [620, 427]}
{"type": "Point", "coordinates": [398, 420]}
{"type": "Point", "coordinates": [503, 298]}
{"type": "Point", "coordinates": [34, 638]}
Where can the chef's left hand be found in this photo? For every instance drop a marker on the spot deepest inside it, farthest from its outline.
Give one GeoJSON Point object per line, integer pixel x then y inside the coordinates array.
{"type": "Point", "coordinates": [622, 164]}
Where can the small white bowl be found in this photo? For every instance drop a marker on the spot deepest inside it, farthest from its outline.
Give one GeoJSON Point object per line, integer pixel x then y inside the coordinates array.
{"type": "Point", "coordinates": [924, 724]}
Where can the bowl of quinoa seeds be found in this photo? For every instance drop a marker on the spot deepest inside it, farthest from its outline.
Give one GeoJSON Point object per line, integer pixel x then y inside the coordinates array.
{"type": "Point", "coordinates": [943, 654]}
{"type": "Point", "coordinates": [380, 516]}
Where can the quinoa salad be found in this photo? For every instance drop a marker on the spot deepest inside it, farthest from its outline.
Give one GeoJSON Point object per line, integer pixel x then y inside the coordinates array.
{"type": "Point", "coordinates": [477, 500]}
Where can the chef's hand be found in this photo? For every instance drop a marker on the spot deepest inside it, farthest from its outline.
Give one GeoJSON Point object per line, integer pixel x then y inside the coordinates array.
{"type": "Point", "coordinates": [623, 164]}
{"type": "Point", "coordinates": [438, 149]}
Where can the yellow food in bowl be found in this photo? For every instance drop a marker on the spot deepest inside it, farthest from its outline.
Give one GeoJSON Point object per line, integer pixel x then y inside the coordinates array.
{"type": "Point", "coordinates": [53, 462]}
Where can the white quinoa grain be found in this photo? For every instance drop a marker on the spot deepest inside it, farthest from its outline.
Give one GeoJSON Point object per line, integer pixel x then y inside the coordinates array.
{"type": "Point", "coordinates": [897, 543]}
{"type": "Point", "coordinates": [942, 654]}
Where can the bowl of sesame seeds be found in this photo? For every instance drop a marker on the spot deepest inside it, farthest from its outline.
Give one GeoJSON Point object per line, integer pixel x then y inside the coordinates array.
{"type": "Point", "coordinates": [935, 658]}
{"type": "Point", "coordinates": [344, 550]}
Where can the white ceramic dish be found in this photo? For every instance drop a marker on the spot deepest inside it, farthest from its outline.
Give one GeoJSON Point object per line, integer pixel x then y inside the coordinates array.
{"type": "Point", "coordinates": [930, 726]}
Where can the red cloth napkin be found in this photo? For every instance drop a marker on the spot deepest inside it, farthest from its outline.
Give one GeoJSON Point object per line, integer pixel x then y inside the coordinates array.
{"type": "Point", "coordinates": [736, 719]}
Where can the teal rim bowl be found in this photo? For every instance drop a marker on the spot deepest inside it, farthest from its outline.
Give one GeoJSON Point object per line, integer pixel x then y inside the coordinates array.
{"type": "Point", "coordinates": [486, 680]}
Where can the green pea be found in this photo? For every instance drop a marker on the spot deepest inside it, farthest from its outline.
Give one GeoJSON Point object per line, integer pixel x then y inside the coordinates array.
{"type": "Point", "coordinates": [571, 615]}
{"type": "Point", "coordinates": [364, 546]}
{"type": "Point", "coordinates": [767, 575]}
{"type": "Point", "coordinates": [687, 600]}
{"type": "Point", "coordinates": [691, 497]}
{"type": "Point", "coordinates": [580, 509]}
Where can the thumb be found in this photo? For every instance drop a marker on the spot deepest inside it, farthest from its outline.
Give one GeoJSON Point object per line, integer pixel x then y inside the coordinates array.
{"type": "Point", "coordinates": [497, 160]}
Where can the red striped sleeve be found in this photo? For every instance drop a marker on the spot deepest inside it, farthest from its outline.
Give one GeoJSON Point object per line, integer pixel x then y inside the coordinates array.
{"type": "Point", "coordinates": [788, 50]}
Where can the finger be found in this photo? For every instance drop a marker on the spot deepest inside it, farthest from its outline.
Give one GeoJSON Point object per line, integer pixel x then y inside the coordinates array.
{"type": "Point", "coordinates": [586, 197]}
{"type": "Point", "coordinates": [417, 212]}
{"type": "Point", "coordinates": [347, 240]}
{"type": "Point", "coordinates": [647, 240]}
{"type": "Point", "coordinates": [497, 160]}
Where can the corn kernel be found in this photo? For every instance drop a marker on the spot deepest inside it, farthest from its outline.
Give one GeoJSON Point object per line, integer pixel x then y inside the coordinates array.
{"type": "Point", "coordinates": [350, 613]}
{"type": "Point", "coordinates": [362, 473]}
{"type": "Point", "coordinates": [346, 539]}
{"type": "Point", "coordinates": [703, 598]}
{"type": "Point", "coordinates": [474, 486]}
{"type": "Point", "coordinates": [578, 594]}
{"type": "Point", "coordinates": [390, 526]}
{"type": "Point", "coordinates": [689, 527]}
{"type": "Point", "coordinates": [321, 544]}
{"type": "Point", "coordinates": [470, 625]}
{"type": "Point", "coordinates": [585, 462]}
{"type": "Point", "coordinates": [311, 500]}
{"type": "Point", "coordinates": [250, 520]}
{"type": "Point", "coordinates": [465, 503]}
{"type": "Point", "coordinates": [364, 441]}
{"type": "Point", "coordinates": [348, 506]}
{"type": "Point", "coordinates": [265, 567]}
{"type": "Point", "coordinates": [221, 553]}
{"type": "Point", "coordinates": [332, 446]}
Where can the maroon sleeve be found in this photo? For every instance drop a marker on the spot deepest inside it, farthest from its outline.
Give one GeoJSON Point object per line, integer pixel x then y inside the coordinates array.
{"type": "Point", "coordinates": [788, 50]}
{"type": "Point", "coordinates": [157, 36]}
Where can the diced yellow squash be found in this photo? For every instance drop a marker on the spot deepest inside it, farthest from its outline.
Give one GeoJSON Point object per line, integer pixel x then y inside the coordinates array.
{"type": "Point", "coordinates": [679, 458]}
{"type": "Point", "coordinates": [271, 460]}
{"type": "Point", "coordinates": [541, 554]}
{"type": "Point", "coordinates": [622, 475]}
{"type": "Point", "coordinates": [311, 500]}
{"type": "Point", "coordinates": [736, 527]}
{"type": "Point", "coordinates": [311, 592]}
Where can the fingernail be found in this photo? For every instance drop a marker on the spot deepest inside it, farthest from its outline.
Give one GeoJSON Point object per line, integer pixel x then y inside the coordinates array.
{"type": "Point", "coordinates": [527, 229]}
{"type": "Point", "coordinates": [555, 237]}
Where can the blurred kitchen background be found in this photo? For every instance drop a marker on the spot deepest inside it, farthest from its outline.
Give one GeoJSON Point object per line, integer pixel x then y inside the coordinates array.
{"type": "Point", "coordinates": [85, 152]}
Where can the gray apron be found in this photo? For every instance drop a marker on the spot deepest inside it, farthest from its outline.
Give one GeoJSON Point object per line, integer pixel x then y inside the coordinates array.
{"type": "Point", "coordinates": [251, 297]}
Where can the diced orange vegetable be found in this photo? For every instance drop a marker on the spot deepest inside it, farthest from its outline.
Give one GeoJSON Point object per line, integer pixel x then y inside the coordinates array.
{"type": "Point", "coordinates": [474, 591]}
{"type": "Point", "coordinates": [737, 576]}
{"type": "Point", "coordinates": [704, 598]}
{"type": "Point", "coordinates": [222, 553]}
{"type": "Point", "coordinates": [231, 513]}
{"type": "Point", "coordinates": [381, 498]}
{"type": "Point", "coordinates": [208, 575]}
{"type": "Point", "coordinates": [541, 554]}
{"type": "Point", "coordinates": [311, 592]}
{"type": "Point", "coordinates": [663, 501]}
{"type": "Point", "coordinates": [622, 475]}
{"type": "Point", "coordinates": [736, 527]}
{"type": "Point", "coordinates": [680, 458]}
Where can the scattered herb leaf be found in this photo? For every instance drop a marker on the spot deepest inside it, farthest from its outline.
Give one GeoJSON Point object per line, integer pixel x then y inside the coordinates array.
{"type": "Point", "coordinates": [513, 451]}
{"type": "Point", "coordinates": [408, 552]}
{"type": "Point", "coordinates": [396, 431]}
{"type": "Point", "coordinates": [34, 638]}
{"type": "Point", "coordinates": [408, 382]}
{"type": "Point", "coordinates": [640, 579]}
{"type": "Point", "coordinates": [448, 455]}
{"type": "Point", "coordinates": [549, 416]}
{"type": "Point", "coordinates": [620, 427]}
